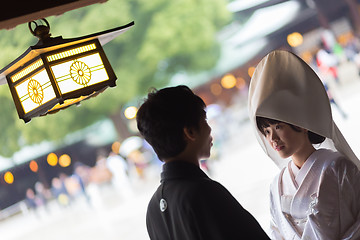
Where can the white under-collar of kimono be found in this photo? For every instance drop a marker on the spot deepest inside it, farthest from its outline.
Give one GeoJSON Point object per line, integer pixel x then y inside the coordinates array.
{"type": "Point", "coordinates": [285, 88]}
{"type": "Point", "coordinates": [300, 174]}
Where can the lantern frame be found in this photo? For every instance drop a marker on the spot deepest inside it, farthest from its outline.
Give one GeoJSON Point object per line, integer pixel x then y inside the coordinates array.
{"type": "Point", "coordinates": [47, 57]}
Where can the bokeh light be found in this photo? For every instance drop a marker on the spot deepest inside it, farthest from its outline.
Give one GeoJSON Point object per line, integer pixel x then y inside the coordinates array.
{"type": "Point", "coordinates": [251, 71]}
{"type": "Point", "coordinates": [216, 89]}
{"type": "Point", "coordinates": [130, 112]}
{"type": "Point", "coordinates": [9, 177]}
{"type": "Point", "coordinates": [240, 84]}
{"type": "Point", "coordinates": [228, 81]}
{"type": "Point", "coordinates": [52, 159]}
{"type": "Point", "coordinates": [33, 166]}
{"type": "Point", "coordinates": [295, 39]}
{"type": "Point", "coordinates": [64, 160]}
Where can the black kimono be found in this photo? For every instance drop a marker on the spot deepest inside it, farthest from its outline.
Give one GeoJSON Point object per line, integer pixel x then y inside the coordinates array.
{"type": "Point", "coordinates": [189, 205]}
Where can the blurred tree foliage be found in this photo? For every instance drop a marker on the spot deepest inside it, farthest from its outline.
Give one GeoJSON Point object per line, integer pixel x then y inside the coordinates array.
{"type": "Point", "coordinates": [168, 37]}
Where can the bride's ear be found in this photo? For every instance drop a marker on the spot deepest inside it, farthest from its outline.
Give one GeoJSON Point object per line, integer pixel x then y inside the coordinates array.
{"type": "Point", "coordinates": [189, 133]}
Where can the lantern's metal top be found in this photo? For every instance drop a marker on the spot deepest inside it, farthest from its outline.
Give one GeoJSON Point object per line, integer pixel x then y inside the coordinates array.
{"type": "Point", "coordinates": [47, 43]}
{"type": "Point", "coordinates": [42, 32]}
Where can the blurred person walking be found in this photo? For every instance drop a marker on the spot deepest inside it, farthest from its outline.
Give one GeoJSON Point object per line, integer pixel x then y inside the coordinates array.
{"type": "Point", "coordinates": [316, 195]}
{"type": "Point", "coordinates": [43, 194]}
{"type": "Point", "coordinates": [327, 63]}
{"type": "Point", "coordinates": [60, 192]}
{"type": "Point", "coordinates": [119, 170]}
{"type": "Point", "coordinates": [323, 76]}
{"type": "Point", "coordinates": [188, 204]}
{"type": "Point", "coordinates": [30, 199]}
{"type": "Point", "coordinates": [81, 175]}
{"type": "Point", "coordinates": [100, 177]}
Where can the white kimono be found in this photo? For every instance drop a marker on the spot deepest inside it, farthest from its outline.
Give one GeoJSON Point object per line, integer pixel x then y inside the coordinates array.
{"type": "Point", "coordinates": [322, 199]}
{"type": "Point", "coordinates": [319, 201]}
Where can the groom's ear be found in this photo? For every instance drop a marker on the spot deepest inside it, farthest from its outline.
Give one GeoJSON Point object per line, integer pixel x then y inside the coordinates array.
{"type": "Point", "coordinates": [189, 133]}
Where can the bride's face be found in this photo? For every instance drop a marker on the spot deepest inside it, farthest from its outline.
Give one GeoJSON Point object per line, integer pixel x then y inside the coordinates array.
{"type": "Point", "coordinates": [284, 139]}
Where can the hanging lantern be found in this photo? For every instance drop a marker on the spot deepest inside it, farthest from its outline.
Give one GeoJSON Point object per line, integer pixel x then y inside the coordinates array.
{"type": "Point", "coordinates": [57, 73]}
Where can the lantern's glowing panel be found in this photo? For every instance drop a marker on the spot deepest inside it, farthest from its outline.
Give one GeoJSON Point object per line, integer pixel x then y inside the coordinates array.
{"type": "Point", "coordinates": [32, 67]}
{"type": "Point", "coordinates": [34, 91]}
{"type": "Point", "coordinates": [79, 71]}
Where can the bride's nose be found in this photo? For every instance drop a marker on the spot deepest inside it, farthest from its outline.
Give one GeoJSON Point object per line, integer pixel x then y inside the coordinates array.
{"type": "Point", "coordinates": [273, 137]}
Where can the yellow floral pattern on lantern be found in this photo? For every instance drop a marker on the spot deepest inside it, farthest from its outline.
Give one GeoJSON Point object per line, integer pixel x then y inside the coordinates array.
{"type": "Point", "coordinates": [35, 91]}
{"type": "Point", "coordinates": [80, 73]}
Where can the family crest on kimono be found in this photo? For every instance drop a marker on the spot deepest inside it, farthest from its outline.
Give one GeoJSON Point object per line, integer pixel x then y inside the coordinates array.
{"type": "Point", "coordinates": [316, 195]}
